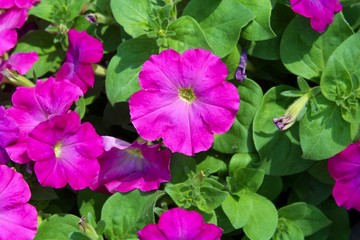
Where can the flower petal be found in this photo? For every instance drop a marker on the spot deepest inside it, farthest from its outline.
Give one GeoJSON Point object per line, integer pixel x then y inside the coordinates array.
{"type": "Point", "coordinates": [22, 62]}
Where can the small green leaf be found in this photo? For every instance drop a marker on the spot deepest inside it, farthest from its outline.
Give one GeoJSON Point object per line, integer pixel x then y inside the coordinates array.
{"type": "Point", "coordinates": [288, 230]}
{"type": "Point", "coordinates": [125, 214]}
{"type": "Point", "coordinates": [245, 178]}
{"type": "Point", "coordinates": [122, 73]}
{"type": "Point", "coordinates": [259, 29]}
{"type": "Point", "coordinates": [221, 22]}
{"type": "Point", "coordinates": [91, 202]}
{"type": "Point", "coordinates": [188, 34]}
{"type": "Point", "coordinates": [49, 228]}
{"type": "Point", "coordinates": [242, 160]}
{"type": "Point", "coordinates": [134, 16]}
{"type": "Point", "coordinates": [238, 209]}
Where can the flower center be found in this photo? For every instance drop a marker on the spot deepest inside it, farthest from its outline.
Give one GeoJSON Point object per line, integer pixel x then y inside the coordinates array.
{"type": "Point", "coordinates": [57, 149]}
{"type": "Point", "coordinates": [187, 94]}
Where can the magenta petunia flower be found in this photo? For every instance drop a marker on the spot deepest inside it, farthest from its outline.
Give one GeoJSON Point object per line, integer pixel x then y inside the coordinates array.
{"type": "Point", "coordinates": [65, 151]}
{"type": "Point", "coordinates": [9, 133]}
{"type": "Point", "coordinates": [344, 168]}
{"type": "Point", "coordinates": [19, 62]}
{"type": "Point", "coordinates": [9, 20]}
{"type": "Point", "coordinates": [26, 4]}
{"type": "Point", "coordinates": [82, 52]}
{"type": "Point", "coordinates": [34, 105]}
{"type": "Point", "coordinates": [177, 224]}
{"type": "Point", "coordinates": [184, 100]}
{"type": "Point", "coordinates": [320, 12]}
{"type": "Point", "coordinates": [18, 219]}
{"type": "Point", "coordinates": [125, 166]}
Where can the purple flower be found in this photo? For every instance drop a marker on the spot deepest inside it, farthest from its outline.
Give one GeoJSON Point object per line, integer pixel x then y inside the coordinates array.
{"type": "Point", "coordinates": [18, 219]}
{"type": "Point", "coordinates": [18, 62]}
{"type": "Point", "coordinates": [177, 224]}
{"type": "Point", "coordinates": [9, 20]}
{"type": "Point", "coordinates": [344, 168]}
{"type": "Point", "coordinates": [184, 100]}
{"type": "Point", "coordinates": [82, 52]}
{"type": "Point", "coordinates": [320, 12]}
{"type": "Point", "coordinates": [9, 133]}
{"type": "Point", "coordinates": [34, 105]}
{"type": "Point", "coordinates": [65, 151]}
{"type": "Point", "coordinates": [125, 166]}
{"type": "Point", "coordinates": [26, 4]}
{"type": "Point", "coordinates": [240, 73]}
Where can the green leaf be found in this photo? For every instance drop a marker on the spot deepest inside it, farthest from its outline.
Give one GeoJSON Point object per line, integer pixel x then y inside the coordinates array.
{"type": "Point", "coordinates": [269, 49]}
{"type": "Point", "coordinates": [125, 214]}
{"type": "Point", "coordinates": [239, 137]}
{"type": "Point", "coordinates": [43, 10]}
{"type": "Point", "coordinates": [242, 160]}
{"type": "Point", "coordinates": [306, 52]}
{"type": "Point", "coordinates": [288, 230]}
{"type": "Point", "coordinates": [232, 61]}
{"type": "Point", "coordinates": [188, 34]}
{"type": "Point", "coordinates": [134, 16]}
{"type": "Point", "coordinates": [309, 218]}
{"type": "Point", "coordinates": [79, 236]}
{"type": "Point", "coordinates": [279, 150]}
{"type": "Point", "coordinates": [259, 29]}
{"type": "Point", "coordinates": [50, 55]}
{"type": "Point", "coordinates": [263, 220]}
{"type": "Point", "coordinates": [80, 107]}
{"type": "Point", "coordinates": [180, 167]}
{"type": "Point", "coordinates": [212, 164]}
{"type": "Point", "coordinates": [238, 209]}
{"type": "Point", "coordinates": [49, 228]}
{"type": "Point", "coordinates": [91, 202]}
{"type": "Point", "coordinates": [323, 133]}
{"type": "Point", "coordinates": [245, 178]}
{"type": "Point", "coordinates": [271, 187]}
{"type": "Point", "coordinates": [341, 79]}
{"type": "Point", "coordinates": [221, 22]}
{"type": "Point", "coordinates": [122, 73]}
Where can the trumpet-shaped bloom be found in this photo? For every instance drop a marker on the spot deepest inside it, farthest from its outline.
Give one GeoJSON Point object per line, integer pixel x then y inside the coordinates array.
{"type": "Point", "coordinates": [65, 151]}
{"type": "Point", "coordinates": [184, 100]}
{"type": "Point", "coordinates": [9, 20]}
{"type": "Point", "coordinates": [125, 166]}
{"type": "Point", "coordinates": [177, 224]}
{"type": "Point", "coordinates": [34, 105]}
{"type": "Point", "coordinates": [9, 132]}
{"type": "Point", "coordinates": [18, 219]}
{"type": "Point", "coordinates": [344, 168]}
{"type": "Point", "coordinates": [320, 12]}
{"type": "Point", "coordinates": [19, 62]}
{"type": "Point", "coordinates": [82, 52]}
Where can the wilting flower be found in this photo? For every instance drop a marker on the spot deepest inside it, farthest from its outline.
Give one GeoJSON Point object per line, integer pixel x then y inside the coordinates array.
{"type": "Point", "coordinates": [344, 168]}
{"type": "Point", "coordinates": [65, 151]}
{"type": "Point", "coordinates": [125, 166]}
{"type": "Point", "coordinates": [177, 223]}
{"type": "Point", "coordinates": [83, 51]}
{"type": "Point", "coordinates": [18, 219]}
{"type": "Point", "coordinates": [184, 100]}
{"type": "Point", "coordinates": [9, 132]}
{"type": "Point", "coordinates": [320, 12]}
{"type": "Point", "coordinates": [37, 104]}
{"type": "Point", "coordinates": [18, 63]}
{"type": "Point", "coordinates": [293, 113]}
{"type": "Point", "coordinates": [9, 21]}
{"type": "Point", "coordinates": [27, 4]}
{"type": "Point", "coordinates": [240, 73]}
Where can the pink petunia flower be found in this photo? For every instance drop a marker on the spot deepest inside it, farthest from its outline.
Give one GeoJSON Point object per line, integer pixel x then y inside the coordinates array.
{"type": "Point", "coordinates": [26, 4]}
{"type": "Point", "coordinates": [9, 21]}
{"type": "Point", "coordinates": [177, 224]}
{"type": "Point", "coordinates": [18, 219]}
{"type": "Point", "coordinates": [9, 133]}
{"type": "Point", "coordinates": [320, 12]}
{"type": "Point", "coordinates": [184, 100]}
{"type": "Point", "coordinates": [344, 168]}
{"type": "Point", "coordinates": [65, 151]}
{"type": "Point", "coordinates": [19, 62]}
{"type": "Point", "coordinates": [34, 105]}
{"type": "Point", "coordinates": [82, 52]}
{"type": "Point", "coordinates": [125, 166]}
